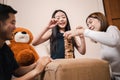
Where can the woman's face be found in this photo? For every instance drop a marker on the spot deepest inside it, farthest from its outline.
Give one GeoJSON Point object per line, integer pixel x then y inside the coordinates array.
{"type": "Point", "coordinates": [62, 20]}
{"type": "Point", "coordinates": [93, 24]}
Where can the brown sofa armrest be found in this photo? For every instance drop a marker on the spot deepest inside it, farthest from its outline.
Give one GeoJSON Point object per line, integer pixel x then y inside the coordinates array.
{"type": "Point", "coordinates": [77, 69]}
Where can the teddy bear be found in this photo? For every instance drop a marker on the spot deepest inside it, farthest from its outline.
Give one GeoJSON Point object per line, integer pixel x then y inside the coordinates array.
{"type": "Point", "coordinates": [24, 52]}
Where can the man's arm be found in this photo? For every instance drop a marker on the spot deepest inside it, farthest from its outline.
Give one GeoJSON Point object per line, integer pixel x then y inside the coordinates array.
{"type": "Point", "coordinates": [30, 72]}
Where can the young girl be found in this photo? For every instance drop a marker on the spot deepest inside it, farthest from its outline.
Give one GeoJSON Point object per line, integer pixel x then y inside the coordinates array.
{"type": "Point", "coordinates": [54, 31]}
{"type": "Point", "coordinates": [108, 36]}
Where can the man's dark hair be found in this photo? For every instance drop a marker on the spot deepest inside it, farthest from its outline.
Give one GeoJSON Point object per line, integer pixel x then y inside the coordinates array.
{"type": "Point", "coordinates": [4, 12]}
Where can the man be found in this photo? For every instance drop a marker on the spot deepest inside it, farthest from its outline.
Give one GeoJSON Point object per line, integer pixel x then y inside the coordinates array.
{"type": "Point", "coordinates": [8, 65]}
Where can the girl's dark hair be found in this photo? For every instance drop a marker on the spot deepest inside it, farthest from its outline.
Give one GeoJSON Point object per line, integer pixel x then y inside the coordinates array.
{"type": "Point", "coordinates": [4, 12]}
{"type": "Point", "coordinates": [55, 30]}
{"type": "Point", "coordinates": [101, 18]}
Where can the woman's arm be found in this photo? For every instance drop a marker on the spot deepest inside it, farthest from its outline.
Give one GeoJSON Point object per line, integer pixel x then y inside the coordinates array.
{"type": "Point", "coordinates": [111, 37]}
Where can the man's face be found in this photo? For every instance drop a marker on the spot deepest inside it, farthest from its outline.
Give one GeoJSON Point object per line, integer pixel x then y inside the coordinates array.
{"type": "Point", "coordinates": [7, 28]}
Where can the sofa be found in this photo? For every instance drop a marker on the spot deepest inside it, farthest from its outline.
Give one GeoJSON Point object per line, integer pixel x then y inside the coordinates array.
{"type": "Point", "coordinates": [76, 69]}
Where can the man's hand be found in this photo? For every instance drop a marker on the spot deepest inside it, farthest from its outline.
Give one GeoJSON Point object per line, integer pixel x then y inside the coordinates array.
{"type": "Point", "coordinates": [41, 63]}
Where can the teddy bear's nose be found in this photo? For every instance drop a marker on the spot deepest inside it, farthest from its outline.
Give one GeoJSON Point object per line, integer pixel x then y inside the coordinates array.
{"type": "Point", "coordinates": [23, 32]}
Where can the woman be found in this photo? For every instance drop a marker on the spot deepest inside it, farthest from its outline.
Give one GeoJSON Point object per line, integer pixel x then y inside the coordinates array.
{"type": "Point", "coordinates": [108, 36]}
{"type": "Point", "coordinates": [54, 31]}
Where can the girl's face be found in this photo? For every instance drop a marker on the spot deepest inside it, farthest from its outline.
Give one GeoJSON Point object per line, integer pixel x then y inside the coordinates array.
{"type": "Point", "coordinates": [93, 24]}
{"type": "Point", "coordinates": [62, 20]}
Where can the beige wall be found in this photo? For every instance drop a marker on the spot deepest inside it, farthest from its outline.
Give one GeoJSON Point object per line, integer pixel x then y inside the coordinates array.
{"type": "Point", "coordinates": [35, 14]}
{"type": "Point", "coordinates": [1, 1]}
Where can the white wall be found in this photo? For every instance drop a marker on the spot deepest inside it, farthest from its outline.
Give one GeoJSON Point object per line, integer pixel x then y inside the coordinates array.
{"type": "Point", "coordinates": [35, 14]}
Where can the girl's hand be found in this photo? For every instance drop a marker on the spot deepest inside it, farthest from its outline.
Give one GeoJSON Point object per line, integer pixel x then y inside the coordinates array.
{"type": "Point", "coordinates": [72, 33]}
{"type": "Point", "coordinates": [53, 22]}
{"type": "Point", "coordinates": [69, 34]}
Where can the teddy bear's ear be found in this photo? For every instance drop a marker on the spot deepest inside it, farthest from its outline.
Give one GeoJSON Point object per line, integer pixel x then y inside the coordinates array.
{"type": "Point", "coordinates": [30, 34]}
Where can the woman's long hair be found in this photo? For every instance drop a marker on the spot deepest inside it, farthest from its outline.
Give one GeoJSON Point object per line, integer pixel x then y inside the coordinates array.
{"type": "Point", "coordinates": [101, 18]}
{"type": "Point", "coordinates": [55, 30]}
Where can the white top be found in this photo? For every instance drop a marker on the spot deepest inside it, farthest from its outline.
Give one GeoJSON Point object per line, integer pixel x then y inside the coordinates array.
{"type": "Point", "coordinates": [110, 46]}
